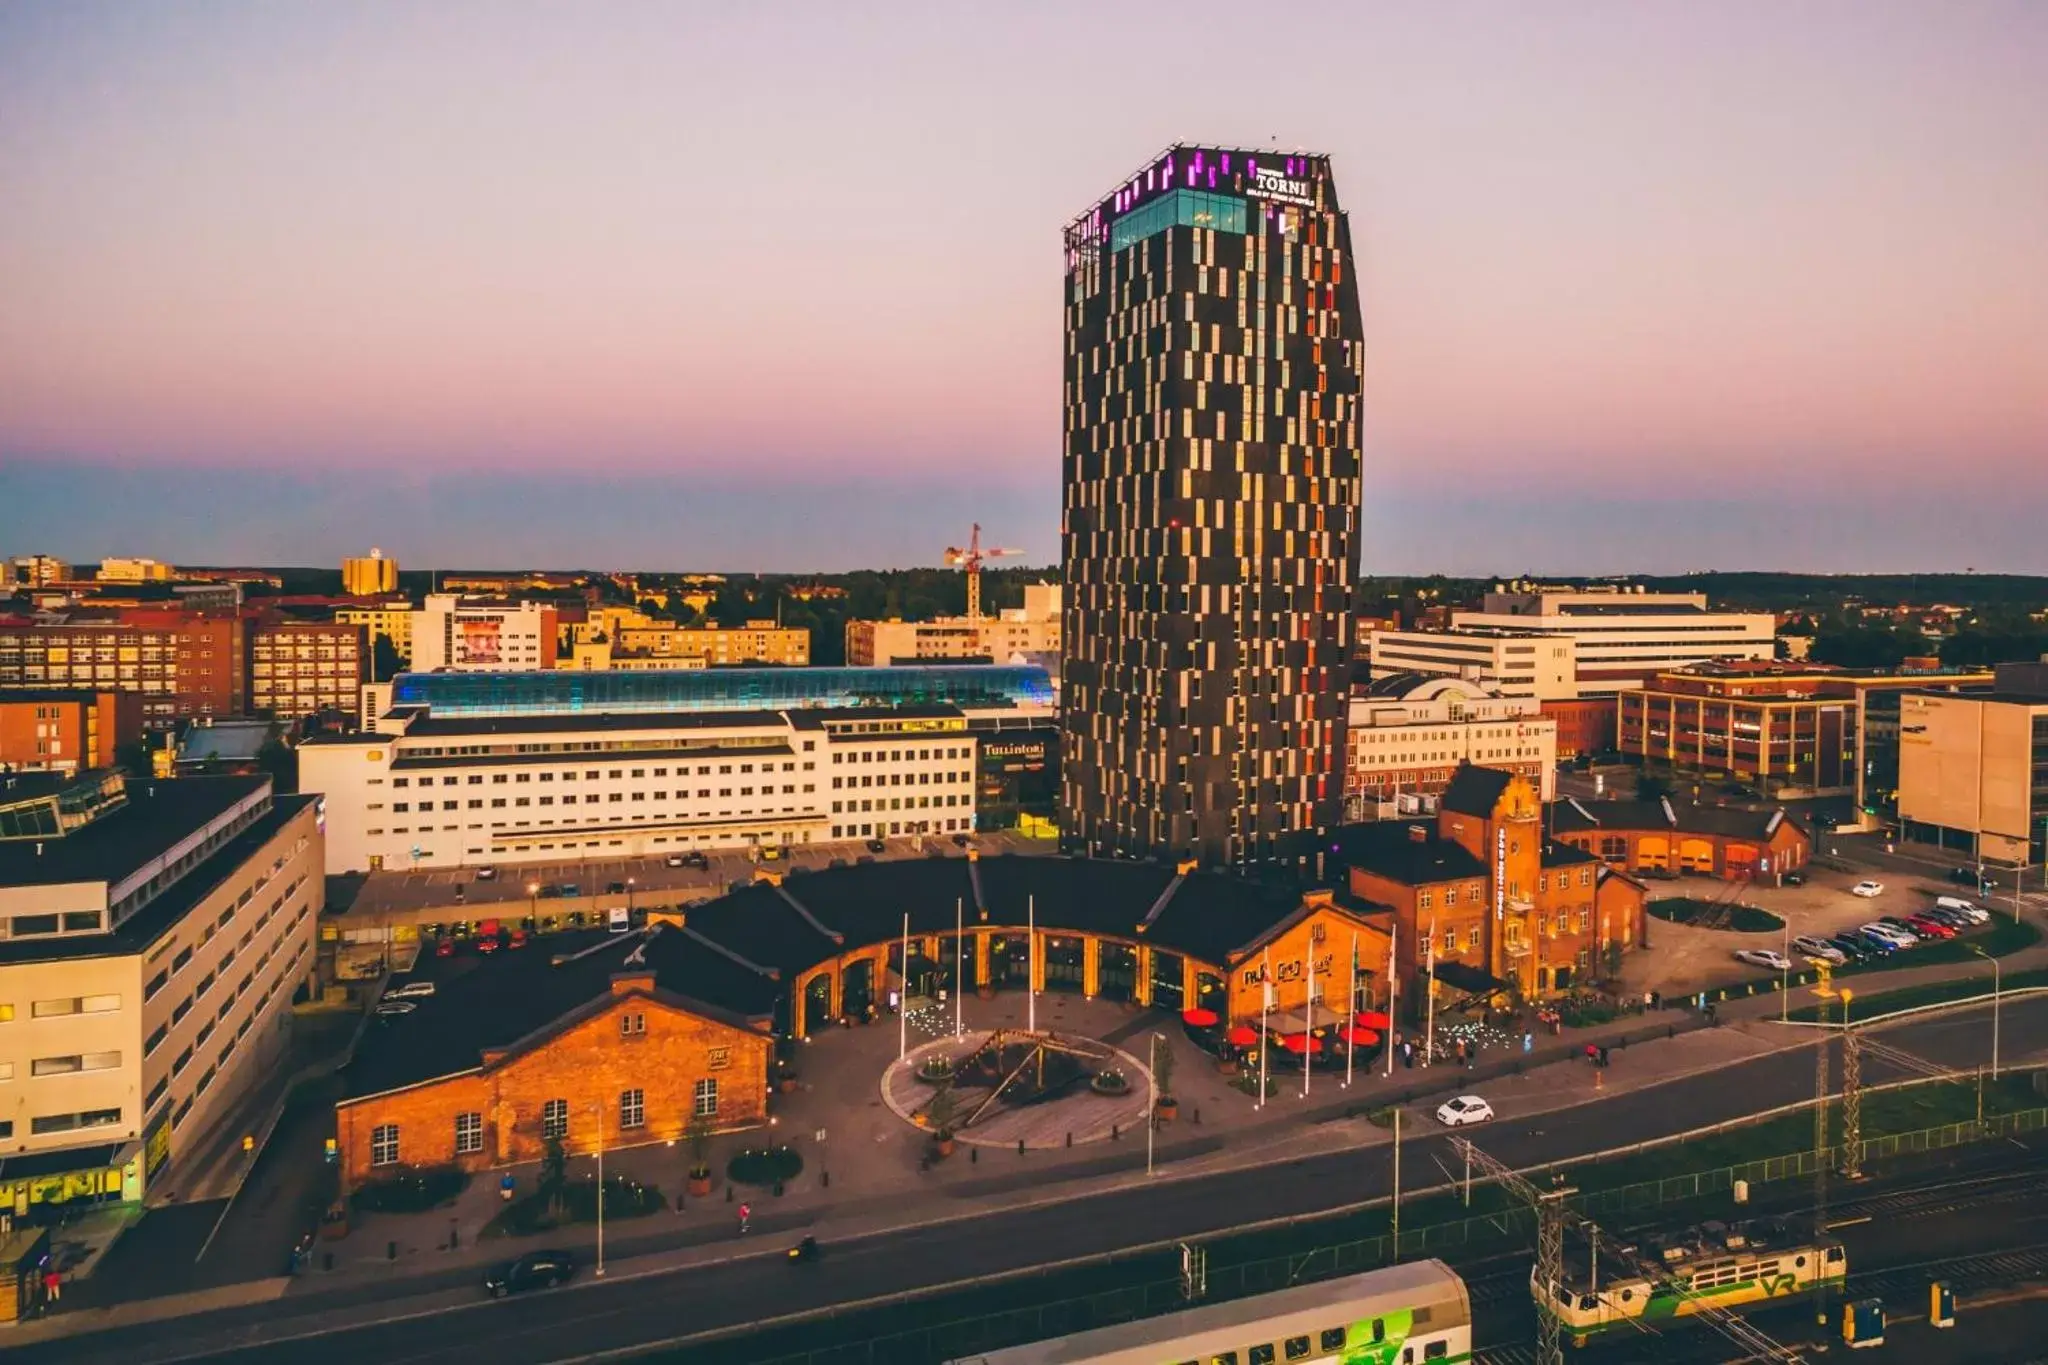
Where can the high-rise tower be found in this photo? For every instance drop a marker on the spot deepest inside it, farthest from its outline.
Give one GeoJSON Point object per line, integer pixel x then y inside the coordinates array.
{"type": "Point", "coordinates": [1210, 509]}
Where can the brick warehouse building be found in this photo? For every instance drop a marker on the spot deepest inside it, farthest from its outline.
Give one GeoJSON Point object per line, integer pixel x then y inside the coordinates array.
{"type": "Point", "coordinates": [1666, 838]}
{"type": "Point", "coordinates": [601, 1044]}
{"type": "Point", "coordinates": [1481, 890]}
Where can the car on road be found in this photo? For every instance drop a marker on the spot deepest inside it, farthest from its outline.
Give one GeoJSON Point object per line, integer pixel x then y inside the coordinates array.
{"type": "Point", "coordinates": [392, 1009]}
{"type": "Point", "coordinates": [411, 990]}
{"type": "Point", "coordinates": [517, 939]}
{"type": "Point", "coordinates": [1867, 890]}
{"type": "Point", "coordinates": [1970, 876]}
{"type": "Point", "coordinates": [444, 947]}
{"type": "Point", "coordinates": [534, 1270]}
{"type": "Point", "coordinates": [876, 846]}
{"type": "Point", "coordinates": [1464, 1109]}
{"type": "Point", "coordinates": [489, 945]}
{"type": "Point", "coordinates": [1954, 919]}
{"type": "Point", "coordinates": [676, 860]}
{"type": "Point", "coordinates": [1814, 946]}
{"type": "Point", "coordinates": [487, 874]}
{"type": "Point", "coordinates": [1764, 957]}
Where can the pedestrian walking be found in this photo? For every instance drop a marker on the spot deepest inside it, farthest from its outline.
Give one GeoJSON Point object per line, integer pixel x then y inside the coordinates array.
{"type": "Point", "coordinates": [746, 1212]}
{"type": "Point", "coordinates": [1603, 1057]}
{"type": "Point", "coordinates": [1528, 1042]}
{"type": "Point", "coordinates": [53, 1285]}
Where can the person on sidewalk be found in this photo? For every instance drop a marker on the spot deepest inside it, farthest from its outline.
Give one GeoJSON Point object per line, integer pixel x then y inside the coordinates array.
{"type": "Point", "coordinates": [746, 1212]}
{"type": "Point", "coordinates": [53, 1285]}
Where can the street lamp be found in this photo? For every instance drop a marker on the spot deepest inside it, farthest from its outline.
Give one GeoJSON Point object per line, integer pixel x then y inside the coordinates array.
{"type": "Point", "coordinates": [1996, 989]}
{"type": "Point", "coordinates": [598, 1109]}
{"type": "Point", "coordinates": [630, 883]}
{"type": "Point", "coordinates": [533, 904]}
{"type": "Point", "coordinates": [1152, 1110]}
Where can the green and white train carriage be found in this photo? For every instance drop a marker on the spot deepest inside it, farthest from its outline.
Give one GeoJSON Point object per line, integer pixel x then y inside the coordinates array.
{"type": "Point", "coordinates": [1730, 1266]}
{"type": "Point", "coordinates": [1406, 1314]}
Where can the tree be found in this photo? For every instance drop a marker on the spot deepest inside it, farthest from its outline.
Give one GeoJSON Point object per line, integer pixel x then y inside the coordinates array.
{"type": "Point", "coordinates": [698, 1135]}
{"type": "Point", "coordinates": [942, 1112]}
{"type": "Point", "coordinates": [281, 761]}
{"type": "Point", "coordinates": [386, 662]}
{"type": "Point", "coordinates": [1162, 1070]}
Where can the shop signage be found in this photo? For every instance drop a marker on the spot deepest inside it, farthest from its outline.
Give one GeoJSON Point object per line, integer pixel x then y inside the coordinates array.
{"type": "Point", "coordinates": [1500, 873]}
{"type": "Point", "coordinates": [1280, 189]}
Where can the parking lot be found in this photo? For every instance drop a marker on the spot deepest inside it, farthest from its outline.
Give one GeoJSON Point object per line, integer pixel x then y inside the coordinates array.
{"type": "Point", "coordinates": [650, 880]}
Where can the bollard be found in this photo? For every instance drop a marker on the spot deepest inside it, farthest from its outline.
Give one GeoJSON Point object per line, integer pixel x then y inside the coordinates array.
{"type": "Point", "coordinates": [1114, 1134]}
{"type": "Point", "coordinates": [824, 1180]}
{"type": "Point", "coordinates": [973, 1156]}
{"type": "Point", "coordinates": [1198, 1117]}
{"type": "Point", "coordinates": [327, 1260]}
{"type": "Point", "coordinates": [728, 1194]}
{"type": "Point", "coordinates": [391, 1251]}
{"type": "Point", "coordinates": [1020, 1146]}
{"type": "Point", "coordinates": [1070, 1139]}
{"type": "Point", "coordinates": [454, 1235]}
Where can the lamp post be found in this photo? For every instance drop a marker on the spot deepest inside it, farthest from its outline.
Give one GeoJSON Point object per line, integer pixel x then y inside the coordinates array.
{"type": "Point", "coordinates": [1152, 1110]}
{"type": "Point", "coordinates": [533, 904]}
{"type": "Point", "coordinates": [1996, 989]}
{"type": "Point", "coordinates": [598, 1110]}
{"type": "Point", "coordinates": [630, 883]}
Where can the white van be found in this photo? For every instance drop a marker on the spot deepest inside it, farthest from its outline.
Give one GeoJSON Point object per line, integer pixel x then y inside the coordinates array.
{"type": "Point", "coordinates": [1976, 913]}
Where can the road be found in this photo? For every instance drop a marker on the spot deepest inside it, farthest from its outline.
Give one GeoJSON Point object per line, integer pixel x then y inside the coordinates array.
{"type": "Point", "coordinates": [445, 1319]}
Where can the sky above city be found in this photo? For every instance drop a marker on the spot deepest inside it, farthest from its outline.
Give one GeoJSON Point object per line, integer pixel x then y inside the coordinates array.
{"type": "Point", "coordinates": [1647, 286]}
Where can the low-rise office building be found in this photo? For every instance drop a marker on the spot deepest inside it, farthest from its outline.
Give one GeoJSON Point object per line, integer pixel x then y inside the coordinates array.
{"type": "Point", "coordinates": [152, 936]}
{"type": "Point", "coordinates": [392, 620]}
{"type": "Point", "coordinates": [1512, 663]}
{"type": "Point", "coordinates": [1027, 632]}
{"type": "Point", "coordinates": [427, 791]}
{"type": "Point", "coordinates": [1408, 735]}
{"type": "Point", "coordinates": [470, 635]}
{"type": "Point", "coordinates": [299, 668]}
{"type": "Point", "coordinates": [757, 642]}
{"type": "Point", "coordinates": [1973, 772]}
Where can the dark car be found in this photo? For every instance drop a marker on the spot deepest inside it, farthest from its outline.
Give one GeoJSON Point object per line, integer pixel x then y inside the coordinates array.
{"type": "Point", "coordinates": [1877, 945]}
{"type": "Point", "coordinates": [1954, 919]}
{"type": "Point", "coordinates": [1794, 879]}
{"type": "Point", "coordinates": [615, 888]}
{"type": "Point", "coordinates": [1854, 947]}
{"type": "Point", "coordinates": [962, 840]}
{"type": "Point", "coordinates": [876, 846]}
{"type": "Point", "coordinates": [534, 1270]}
{"type": "Point", "coordinates": [568, 890]}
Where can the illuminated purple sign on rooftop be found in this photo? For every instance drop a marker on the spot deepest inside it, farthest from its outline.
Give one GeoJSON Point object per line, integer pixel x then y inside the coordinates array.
{"type": "Point", "coordinates": [1273, 177]}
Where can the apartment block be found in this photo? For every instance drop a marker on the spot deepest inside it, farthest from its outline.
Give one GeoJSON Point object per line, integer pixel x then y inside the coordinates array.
{"type": "Point", "coordinates": [61, 730]}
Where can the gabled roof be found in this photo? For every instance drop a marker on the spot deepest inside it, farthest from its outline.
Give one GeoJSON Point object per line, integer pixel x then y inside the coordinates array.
{"type": "Point", "coordinates": [1574, 816]}
{"type": "Point", "coordinates": [1474, 790]}
{"type": "Point", "coordinates": [1390, 849]}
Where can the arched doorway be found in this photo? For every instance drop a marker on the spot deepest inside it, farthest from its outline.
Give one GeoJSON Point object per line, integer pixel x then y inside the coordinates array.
{"type": "Point", "coordinates": [1064, 963]}
{"type": "Point", "coordinates": [1116, 972]}
{"type": "Point", "coordinates": [818, 1003]}
{"type": "Point", "coordinates": [1009, 961]}
{"type": "Point", "coordinates": [1653, 852]}
{"type": "Point", "coordinates": [1167, 991]}
{"type": "Point", "coordinates": [857, 987]}
{"type": "Point", "coordinates": [956, 961]}
{"type": "Point", "coordinates": [1696, 855]}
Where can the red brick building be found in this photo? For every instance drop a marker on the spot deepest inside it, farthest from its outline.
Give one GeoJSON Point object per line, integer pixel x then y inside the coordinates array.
{"type": "Point", "coordinates": [1585, 725]}
{"type": "Point", "coordinates": [602, 1045]}
{"type": "Point", "coordinates": [1666, 838]}
{"type": "Point", "coordinates": [1483, 888]}
{"type": "Point", "coordinates": [56, 730]}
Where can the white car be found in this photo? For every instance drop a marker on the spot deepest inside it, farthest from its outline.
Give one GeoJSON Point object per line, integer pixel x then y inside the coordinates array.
{"type": "Point", "coordinates": [1867, 890]}
{"type": "Point", "coordinates": [1764, 957]}
{"type": "Point", "coordinates": [487, 874]}
{"type": "Point", "coordinates": [1820, 948]}
{"type": "Point", "coordinates": [411, 990]}
{"type": "Point", "coordinates": [1890, 933]}
{"type": "Point", "coordinates": [392, 1009]}
{"type": "Point", "coordinates": [1456, 1113]}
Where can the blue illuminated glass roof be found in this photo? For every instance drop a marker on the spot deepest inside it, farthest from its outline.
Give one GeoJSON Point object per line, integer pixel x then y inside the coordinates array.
{"type": "Point", "coordinates": [561, 692]}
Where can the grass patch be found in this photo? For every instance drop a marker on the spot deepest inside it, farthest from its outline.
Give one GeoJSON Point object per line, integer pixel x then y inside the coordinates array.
{"type": "Point", "coordinates": [1933, 993]}
{"type": "Point", "coordinates": [412, 1191]}
{"type": "Point", "coordinates": [576, 1202]}
{"type": "Point", "coordinates": [1741, 919]}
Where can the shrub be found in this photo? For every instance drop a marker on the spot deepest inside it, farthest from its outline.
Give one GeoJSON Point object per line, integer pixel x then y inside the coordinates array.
{"type": "Point", "coordinates": [576, 1202]}
{"type": "Point", "coordinates": [1110, 1082]}
{"type": "Point", "coordinates": [414, 1190]}
{"type": "Point", "coordinates": [765, 1166]}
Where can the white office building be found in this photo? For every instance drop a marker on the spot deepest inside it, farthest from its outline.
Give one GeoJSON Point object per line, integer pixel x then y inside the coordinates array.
{"type": "Point", "coordinates": [466, 635]}
{"type": "Point", "coordinates": [1408, 734]}
{"type": "Point", "coordinates": [432, 792]}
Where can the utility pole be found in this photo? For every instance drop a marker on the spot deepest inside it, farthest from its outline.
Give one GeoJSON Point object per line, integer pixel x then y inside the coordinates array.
{"type": "Point", "coordinates": [1397, 1183]}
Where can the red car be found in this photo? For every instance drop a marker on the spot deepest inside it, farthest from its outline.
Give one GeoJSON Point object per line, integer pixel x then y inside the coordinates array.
{"type": "Point", "coordinates": [518, 939]}
{"type": "Point", "coordinates": [1933, 927]}
{"type": "Point", "coordinates": [488, 945]}
{"type": "Point", "coordinates": [444, 948]}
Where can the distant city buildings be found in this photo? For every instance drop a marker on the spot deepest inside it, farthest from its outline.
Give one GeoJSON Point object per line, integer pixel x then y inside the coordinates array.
{"type": "Point", "coordinates": [39, 571]}
{"type": "Point", "coordinates": [475, 635]}
{"type": "Point", "coordinates": [1210, 501]}
{"type": "Point", "coordinates": [369, 577]}
{"type": "Point", "coordinates": [1029, 633]}
{"type": "Point", "coordinates": [135, 571]}
{"type": "Point", "coordinates": [1408, 736]}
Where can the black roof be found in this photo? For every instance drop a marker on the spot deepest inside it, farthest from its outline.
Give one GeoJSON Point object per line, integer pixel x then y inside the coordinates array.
{"type": "Point", "coordinates": [1474, 790]}
{"type": "Point", "coordinates": [1565, 855]}
{"type": "Point", "coordinates": [1389, 849]}
{"type": "Point", "coordinates": [157, 815]}
{"type": "Point", "coordinates": [173, 904]}
{"type": "Point", "coordinates": [1733, 822]}
{"type": "Point", "coordinates": [498, 1002]}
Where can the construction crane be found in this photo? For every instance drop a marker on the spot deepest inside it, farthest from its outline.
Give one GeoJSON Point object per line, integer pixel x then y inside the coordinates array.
{"type": "Point", "coordinates": [1551, 1217]}
{"type": "Point", "coordinates": [970, 560]}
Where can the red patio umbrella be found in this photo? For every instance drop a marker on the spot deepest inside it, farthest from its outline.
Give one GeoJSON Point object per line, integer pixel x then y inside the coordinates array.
{"type": "Point", "coordinates": [1300, 1042]}
{"type": "Point", "coordinates": [1359, 1037]}
{"type": "Point", "coordinates": [1244, 1035]}
{"type": "Point", "coordinates": [1371, 1019]}
{"type": "Point", "coordinates": [1198, 1018]}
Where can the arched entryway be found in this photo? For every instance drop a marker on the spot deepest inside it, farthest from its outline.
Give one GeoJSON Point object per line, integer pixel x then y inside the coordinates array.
{"type": "Point", "coordinates": [818, 1004]}
{"type": "Point", "coordinates": [1696, 855]}
{"type": "Point", "coordinates": [1009, 961]}
{"type": "Point", "coordinates": [1168, 993]}
{"type": "Point", "coordinates": [1116, 972]}
{"type": "Point", "coordinates": [857, 987]}
{"type": "Point", "coordinates": [1065, 963]}
{"type": "Point", "coordinates": [956, 960]}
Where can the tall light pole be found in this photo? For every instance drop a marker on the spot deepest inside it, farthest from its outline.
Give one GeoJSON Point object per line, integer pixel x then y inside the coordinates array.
{"type": "Point", "coordinates": [630, 881]}
{"type": "Point", "coordinates": [533, 904]}
{"type": "Point", "coordinates": [598, 1109]}
{"type": "Point", "coordinates": [903, 995]}
{"type": "Point", "coordinates": [1996, 989]}
{"type": "Point", "coordinates": [1151, 1109]}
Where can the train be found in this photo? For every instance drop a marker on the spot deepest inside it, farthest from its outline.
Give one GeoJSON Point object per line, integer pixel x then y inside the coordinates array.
{"type": "Point", "coordinates": [1407, 1314]}
{"type": "Point", "coordinates": [1729, 1265]}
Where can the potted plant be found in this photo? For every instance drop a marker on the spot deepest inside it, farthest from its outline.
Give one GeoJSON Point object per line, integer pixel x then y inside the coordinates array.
{"type": "Point", "coordinates": [785, 1077]}
{"type": "Point", "coordinates": [1167, 1107]}
{"type": "Point", "coordinates": [698, 1135]}
{"type": "Point", "coordinates": [936, 1069]}
{"type": "Point", "coordinates": [941, 1114]}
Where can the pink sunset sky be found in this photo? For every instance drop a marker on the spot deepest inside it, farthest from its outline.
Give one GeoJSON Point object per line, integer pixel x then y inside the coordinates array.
{"type": "Point", "coordinates": [1779, 256]}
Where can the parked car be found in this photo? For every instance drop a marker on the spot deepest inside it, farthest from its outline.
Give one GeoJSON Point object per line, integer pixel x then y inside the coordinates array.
{"type": "Point", "coordinates": [1954, 919]}
{"type": "Point", "coordinates": [1814, 946]}
{"type": "Point", "coordinates": [1456, 1113]}
{"type": "Point", "coordinates": [1921, 932]}
{"type": "Point", "coordinates": [1793, 879]}
{"type": "Point", "coordinates": [1867, 890]}
{"type": "Point", "coordinates": [962, 840]}
{"type": "Point", "coordinates": [876, 846]}
{"type": "Point", "coordinates": [444, 947]}
{"type": "Point", "coordinates": [1877, 945]}
{"type": "Point", "coordinates": [677, 860]}
{"type": "Point", "coordinates": [488, 945]}
{"type": "Point", "coordinates": [1854, 947]}
{"type": "Point", "coordinates": [1764, 957]}
{"type": "Point", "coordinates": [1969, 910]}
{"type": "Point", "coordinates": [1930, 926]}
{"type": "Point", "coordinates": [1896, 935]}
{"type": "Point", "coordinates": [517, 939]}
{"type": "Point", "coordinates": [392, 1009]}
{"type": "Point", "coordinates": [487, 874]}
{"type": "Point", "coordinates": [534, 1270]}
{"type": "Point", "coordinates": [615, 888]}
{"type": "Point", "coordinates": [568, 889]}
{"type": "Point", "coordinates": [411, 990]}
{"type": "Point", "coordinates": [698, 861]}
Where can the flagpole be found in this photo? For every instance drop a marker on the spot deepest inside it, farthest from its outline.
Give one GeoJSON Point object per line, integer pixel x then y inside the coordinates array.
{"type": "Point", "coordinates": [903, 996]}
{"type": "Point", "coordinates": [1351, 1009]}
{"type": "Point", "coordinates": [1393, 928]}
{"type": "Point", "coordinates": [1429, 997]}
{"type": "Point", "coordinates": [1031, 962]}
{"type": "Point", "coordinates": [1308, 1023]}
{"type": "Point", "coordinates": [959, 967]}
{"type": "Point", "coordinates": [1265, 1007]}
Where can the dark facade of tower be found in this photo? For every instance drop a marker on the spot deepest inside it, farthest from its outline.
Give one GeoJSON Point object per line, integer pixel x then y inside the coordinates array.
{"type": "Point", "coordinates": [1210, 510]}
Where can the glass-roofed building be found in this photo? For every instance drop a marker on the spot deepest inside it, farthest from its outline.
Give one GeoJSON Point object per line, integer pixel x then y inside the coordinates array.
{"type": "Point", "coordinates": [563, 692]}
